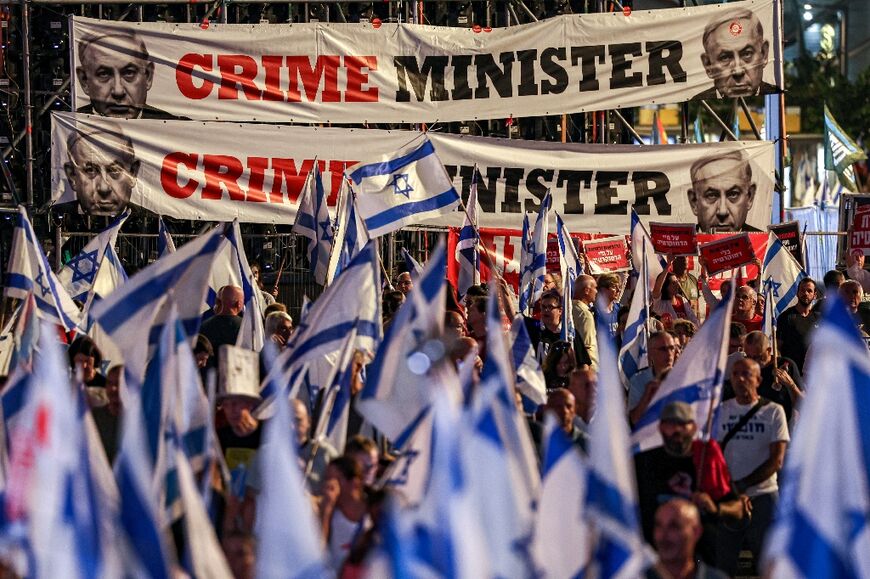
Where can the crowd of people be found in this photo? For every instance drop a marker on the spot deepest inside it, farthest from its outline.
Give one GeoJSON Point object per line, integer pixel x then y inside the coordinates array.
{"type": "Point", "coordinates": [705, 507]}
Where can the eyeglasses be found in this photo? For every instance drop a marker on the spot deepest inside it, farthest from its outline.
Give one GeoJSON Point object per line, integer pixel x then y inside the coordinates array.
{"type": "Point", "coordinates": [545, 308]}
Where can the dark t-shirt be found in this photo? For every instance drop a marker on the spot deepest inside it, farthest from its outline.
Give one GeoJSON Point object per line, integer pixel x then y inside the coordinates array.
{"type": "Point", "coordinates": [781, 396]}
{"type": "Point", "coordinates": [239, 449]}
{"type": "Point", "coordinates": [793, 332]}
{"type": "Point", "coordinates": [540, 337]}
{"type": "Point", "coordinates": [220, 330]}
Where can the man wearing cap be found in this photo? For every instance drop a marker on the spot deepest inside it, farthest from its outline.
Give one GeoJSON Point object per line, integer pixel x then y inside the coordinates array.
{"type": "Point", "coordinates": [673, 471]}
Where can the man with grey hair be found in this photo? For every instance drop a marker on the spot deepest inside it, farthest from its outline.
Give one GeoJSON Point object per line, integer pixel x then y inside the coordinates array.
{"type": "Point", "coordinates": [102, 169]}
{"type": "Point", "coordinates": [735, 54]}
{"type": "Point", "coordinates": [278, 327]}
{"type": "Point", "coordinates": [116, 73]}
{"type": "Point", "coordinates": [722, 192]}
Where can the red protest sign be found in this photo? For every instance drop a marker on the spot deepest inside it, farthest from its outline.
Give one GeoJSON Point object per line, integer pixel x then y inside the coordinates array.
{"type": "Point", "coordinates": [607, 255]}
{"type": "Point", "coordinates": [674, 238]}
{"type": "Point", "coordinates": [859, 235]}
{"type": "Point", "coordinates": [727, 253]}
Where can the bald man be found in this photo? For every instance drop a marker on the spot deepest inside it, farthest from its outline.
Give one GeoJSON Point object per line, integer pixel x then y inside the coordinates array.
{"type": "Point", "coordinates": [677, 530]}
{"type": "Point", "coordinates": [585, 341]}
{"type": "Point", "coordinates": [223, 327]}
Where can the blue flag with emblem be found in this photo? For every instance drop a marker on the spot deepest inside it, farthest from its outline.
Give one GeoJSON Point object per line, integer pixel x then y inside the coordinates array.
{"type": "Point", "coordinates": [350, 234]}
{"type": "Point", "coordinates": [28, 271]}
{"type": "Point", "coordinates": [822, 526]}
{"type": "Point", "coordinates": [841, 152]}
{"type": "Point", "coordinates": [314, 223]}
{"type": "Point", "coordinates": [402, 188]}
{"type": "Point", "coordinates": [781, 275]}
{"type": "Point", "coordinates": [467, 248]}
{"type": "Point", "coordinates": [133, 315]}
{"type": "Point", "coordinates": [532, 275]}
{"type": "Point", "coordinates": [80, 273]}
{"type": "Point", "coordinates": [695, 379]}
{"type": "Point", "coordinates": [611, 493]}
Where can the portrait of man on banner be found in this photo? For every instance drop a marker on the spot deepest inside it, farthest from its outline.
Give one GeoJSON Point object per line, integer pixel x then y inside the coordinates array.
{"type": "Point", "coordinates": [735, 56]}
{"type": "Point", "coordinates": [101, 169]}
{"type": "Point", "coordinates": [116, 73]}
{"type": "Point", "coordinates": [723, 192]}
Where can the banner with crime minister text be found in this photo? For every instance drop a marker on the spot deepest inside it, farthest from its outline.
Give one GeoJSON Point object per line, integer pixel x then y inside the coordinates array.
{"type": "Point", "coordinates": [406, 73]}
{"type": "Point", "coordinates": [217, 171]}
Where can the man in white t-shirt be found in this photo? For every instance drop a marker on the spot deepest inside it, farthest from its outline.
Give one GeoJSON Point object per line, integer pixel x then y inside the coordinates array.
{"type": "Point", "coordinates": [753, 434]}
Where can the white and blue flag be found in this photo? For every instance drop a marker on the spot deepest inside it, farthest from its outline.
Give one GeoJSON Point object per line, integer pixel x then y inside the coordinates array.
{"type": "Point", "coordinates": [695, 379]}
{"type": "Point", "coordinates": [641, 244]}
{"type": "Point", "coordinates": [781, 274]}
{"type": "Point", "coordinates": [165, 243]}
{"type": "Point", "coordinates": [611, 494]}
{"type": "Point", "coordinates": [110, 276]}
{"type": "Point", "coordinates": [526, 260]}
{"type": "Point", "coordinates": [561, 533]}
{"type": "Point", "coordinates": [80, 273]}
{"type": "Point", "coordinates": [529, 376]}
{"type": "Point", "coordinates": [467, 248]}
{"type": "Point", "coordinates": [536, 259]}
{"type": "Point", "coordinates": [133, 315]}
{"type": "Point", "coordinates": [332, 422]}
{"type": "Point", "coordinates": [28, 271]}
{"type": "Point", "coordinates": [822, 526]}
{"type": "Point", "coordinates": [633, 354]}
{"type": "Point", "coordinates": [571, 267]}
{"type": "Point", "coordinates": [412, 266]}
{"type": "Point", "coordinates": [394, 396]}
{"type": "Point", "coordinates": [314, 223]}
{"type": "Point", "coordinates": [350, 233]}
{"type": "Point", "coordinates": [289, 544]}
{"type": "Point", "coordinates": [403, 188]}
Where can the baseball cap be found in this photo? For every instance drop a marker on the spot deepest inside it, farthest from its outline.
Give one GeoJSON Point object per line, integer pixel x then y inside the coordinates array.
{"type": "Point", "coordinates": [677, 412]}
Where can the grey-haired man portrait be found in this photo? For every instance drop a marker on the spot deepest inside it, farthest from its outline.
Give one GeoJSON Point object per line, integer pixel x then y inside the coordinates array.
{"type": "Point", "coordinates": [116, 73]}
{"type": "Point", "coordinates": [723, 192]}
{"type": "Point", "coordinates": [102, 169]}
{"type": "Point", "coordinates": [735, 54]}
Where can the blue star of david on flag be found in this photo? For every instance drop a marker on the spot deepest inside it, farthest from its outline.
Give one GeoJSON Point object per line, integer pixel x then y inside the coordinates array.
{"type": "Point", "coordinates": [773, 285]}
{"type": "Point", "coordinates": [325, 229]}
{"type": "Point", "coordinates": [45, 289]}
{"type": "Point", "coordinates": [84, 267]}
{"type": "Point", "coordinates": [401, 186]}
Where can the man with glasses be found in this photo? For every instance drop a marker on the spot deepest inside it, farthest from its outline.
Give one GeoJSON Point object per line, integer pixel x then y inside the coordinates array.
{"type": "Point", "coordinates": [745, 312]}
{"type": "Point", "coordinates": [643, 386]}
{"type": "Point", "coordinates": [548, 329]}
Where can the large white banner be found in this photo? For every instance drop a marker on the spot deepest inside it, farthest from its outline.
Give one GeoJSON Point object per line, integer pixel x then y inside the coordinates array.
{"type": "Point", "coordinates": [403, 73]}
{"type": "Point", "coordinates": [219, 171]}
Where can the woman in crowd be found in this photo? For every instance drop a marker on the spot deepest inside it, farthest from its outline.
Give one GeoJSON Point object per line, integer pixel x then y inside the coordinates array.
{"type": "Point", "coordinates": [668, 300]}
{"type": "Point", "coordinates": [558, 364]}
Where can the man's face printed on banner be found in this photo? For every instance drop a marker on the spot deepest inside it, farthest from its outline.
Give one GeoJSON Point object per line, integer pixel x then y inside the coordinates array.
{"type": "Point", "coordinates": [103, 179]}
{"type": "Point", "coordinates": [116, 74]}
{"type": "Point", "coordinates": [722, 194]}
{"type": "Point", "coordinates": [735, 54]}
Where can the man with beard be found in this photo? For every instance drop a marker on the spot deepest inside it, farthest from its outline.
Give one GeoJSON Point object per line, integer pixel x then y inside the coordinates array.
{"type": "Point", "coordinates": [795, 325]}
{"type": "Point", "coordinates": [672, 471]}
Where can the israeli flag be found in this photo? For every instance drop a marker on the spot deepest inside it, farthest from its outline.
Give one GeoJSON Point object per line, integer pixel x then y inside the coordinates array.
{"type": "Point", "coordinates": [350, 233]}
{"type": "Point", "coordinates": [80, 273]}
{"type": "Point", "coordinates": [641, 244]}
{"type": "Point", "coordinates": [354, 299]}
{"type": "Point", "coordinates": [28, 271]}
{"type": "Point", "coordinates": [403, 188]}
{"type": "Point", "coordinates": [52, 490]}
{"type": "Point", "coordinates": [821, 528]}
{"type": "Point", "coordinates": [165, 243]}
{"type": "Point", "coordinates": [289, 542]}
{"type": "Point", "coordinates": [394, 395]}
{"type": "Point", "coordinates": [537, 250]}
{"type": "Point", "coordinates": [611, 494]}
{"type": "Point", "coordinates": [529, 376]}
{"type": "Point", "coordinates": [467, 248]}
{"type": "Point", "coordinates": [633, 354]}
{"type": "Point", "coordinates": [252, 334]}
{"type": "Point", "coordinates": [695, 379]}
{"type": "Point", "coordinates": [526, 260]}
{"type": "Point", "coordinates": [140, 511]}
{"type": "Point", "coordinates": [571, 267]}
{"type": "Point", "coordinates": [314, 223]}
{"type": "Point", "coordinates": [411, 265]}
{"type": "Point", "coordinates": [562, 534]}
{"type": "Point", "coordinates": [841, 152]}
{"type": "Point", "coordinates": [331, 425]}
{"type": "Point", "coordinates": [781, 275]}
{"type": "Point", "coordinates": [110, 276]}
{"type": "Point", "coordinates": [133, 315]}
